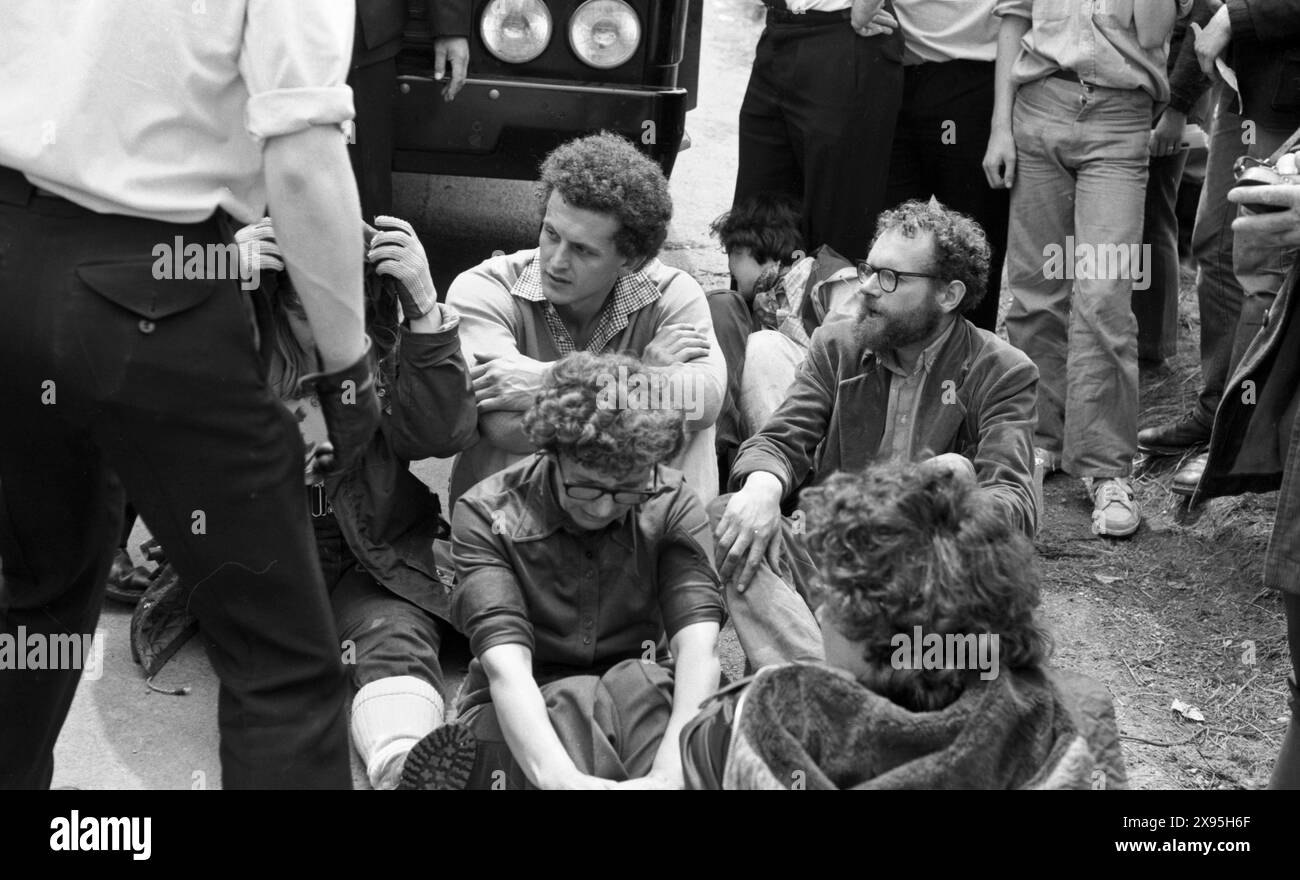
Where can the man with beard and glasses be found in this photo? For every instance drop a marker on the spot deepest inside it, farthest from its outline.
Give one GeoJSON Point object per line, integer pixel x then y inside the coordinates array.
{"type": "Point", "coordinates": [910, 379]}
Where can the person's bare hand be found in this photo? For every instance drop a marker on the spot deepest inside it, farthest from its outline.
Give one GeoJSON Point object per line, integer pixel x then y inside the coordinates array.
{"type": "Point", "coordinates": [506, 382]}
{"type": "Point", "coordinates": [451, 54]}
{"type": "Point", "coordinates": [1212, 41]}
{"type": "Point", "coordinates": [675, 344]}
{"type": "Point", "coordinates": [1000, 159]}
{"type": "Point", "coordinates": [748, 534]}
{"type": "Point", "coordinates": [1167, 136]}
{"type": "Point", "coordinates": [1272, 228]}
{"type": "Point", "coordinates": [951, 463]}
{"type": "Point", "coordinates": [863, 15]}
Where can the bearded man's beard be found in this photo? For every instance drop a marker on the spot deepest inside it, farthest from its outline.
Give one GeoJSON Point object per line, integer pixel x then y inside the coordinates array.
{"type": "Point", "coordinates": [885, 332]}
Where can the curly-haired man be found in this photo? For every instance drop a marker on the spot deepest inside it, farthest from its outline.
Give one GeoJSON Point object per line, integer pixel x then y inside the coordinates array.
{"type": "Point", "coordinates": [935, 672]}
{"type": "Point", "coordinates": [575, 569]}
{"type": "Point", "coordinates": [592, 284]}
{"type": "Point", "coordinates": [909, 379]}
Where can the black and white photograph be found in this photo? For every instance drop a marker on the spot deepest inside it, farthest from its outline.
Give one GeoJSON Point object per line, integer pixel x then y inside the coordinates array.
{"type": "Point", "coordinates": [795, 395]}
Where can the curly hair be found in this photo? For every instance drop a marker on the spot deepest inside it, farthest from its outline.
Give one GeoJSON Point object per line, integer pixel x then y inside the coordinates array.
{"type": "Point", "coordinates": [580, 413]}
{"type": "Point", "coordinates": [766, 224]}
{"type": "Point", "coordinates": [961, 247]}
{"type": "Point", "coordinates": [898, 547]}
{"type": "Point", "coordinates": [605, 173]}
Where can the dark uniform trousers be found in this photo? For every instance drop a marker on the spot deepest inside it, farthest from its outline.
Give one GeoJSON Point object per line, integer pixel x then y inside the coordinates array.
{"type": "Point", "coordinates": [943, 131]}
{"type": "Point", "coordinates": [817, 122]}
{"type": "Point", "coordinates": [106, 369]}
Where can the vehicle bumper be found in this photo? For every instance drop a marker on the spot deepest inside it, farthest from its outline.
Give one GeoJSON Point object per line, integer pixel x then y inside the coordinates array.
{"type": "Point", "coordinates": [504, 128]}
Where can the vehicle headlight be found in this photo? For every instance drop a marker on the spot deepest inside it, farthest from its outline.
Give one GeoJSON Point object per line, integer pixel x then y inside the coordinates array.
{"type": "Point", "coordinates": [604, 33]}
{"type": "Point", "coordinates": [516, 31]}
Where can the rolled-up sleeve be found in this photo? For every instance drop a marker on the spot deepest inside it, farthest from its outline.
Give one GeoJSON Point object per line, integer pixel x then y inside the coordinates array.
{"type": "Point", "coordinates": [487, 604]}
{"type": "Point", "coordinates": [294, 61]}
{"type": "Point", "coordinates": [689, 589]}
{"type": "Point", "coordinates": [1019, 8]}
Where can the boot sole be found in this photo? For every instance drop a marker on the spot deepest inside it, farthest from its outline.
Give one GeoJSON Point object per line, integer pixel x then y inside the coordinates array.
{"type": "Point", "coordinates": [442, 761]}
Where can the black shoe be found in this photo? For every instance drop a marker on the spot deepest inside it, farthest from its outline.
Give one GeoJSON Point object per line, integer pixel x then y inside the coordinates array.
{"type": "Point", "coordinates": [126, 582]}
{"type": "Point", "coordinates": [442, 761]}
{"type": "Point", "coordinates": [1174, 438]}
{"type": "Point", "coordinates": [1189, 475]}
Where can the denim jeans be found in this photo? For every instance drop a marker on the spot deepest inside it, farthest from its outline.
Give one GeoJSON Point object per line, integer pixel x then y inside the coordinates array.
{"type": "Point", "coordinates": [1235, 284]}
{"type": "Point", "coordinates": [1079, 190]}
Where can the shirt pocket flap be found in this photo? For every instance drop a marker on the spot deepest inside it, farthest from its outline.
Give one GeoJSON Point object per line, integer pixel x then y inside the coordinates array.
{"type": "Point", "coordinates": [132, 286]}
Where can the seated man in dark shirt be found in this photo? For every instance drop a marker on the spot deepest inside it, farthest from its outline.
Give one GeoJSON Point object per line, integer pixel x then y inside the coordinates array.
{"type": "Point", "coordinates": [575, 569]}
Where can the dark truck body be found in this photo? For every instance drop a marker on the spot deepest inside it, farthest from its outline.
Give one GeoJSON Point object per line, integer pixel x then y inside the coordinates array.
{"type": "Point", "coordinates": [509, 116]}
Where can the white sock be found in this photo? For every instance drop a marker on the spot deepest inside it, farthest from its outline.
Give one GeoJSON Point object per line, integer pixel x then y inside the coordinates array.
{"type": "Point", "coordinates": [389, 717]}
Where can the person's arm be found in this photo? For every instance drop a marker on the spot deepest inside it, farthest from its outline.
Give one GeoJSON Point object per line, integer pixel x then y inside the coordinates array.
{"type": "Point", "coordinates": [313, 197]}
{"type": "Point", "coordinates": [1000, 157]}
{"type": "Point", "coordinates": [695, 676]}
{"type": "Point", "coordinates": [488, 332]}
{"type": "Point", "coordinates": [1265, 21]}
{"type": "Point", "coordinates": [1154, 21]}
{"type": "Point", "coordinates": [521, 711]}
{"type": "Point", "coordinates": [1004, 454]}
{"type": "Point", "coordinates": [703, 380]}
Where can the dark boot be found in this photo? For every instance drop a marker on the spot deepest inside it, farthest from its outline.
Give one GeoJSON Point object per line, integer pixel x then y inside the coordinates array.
{"type": "Point", "coordinates": [1174, 438]}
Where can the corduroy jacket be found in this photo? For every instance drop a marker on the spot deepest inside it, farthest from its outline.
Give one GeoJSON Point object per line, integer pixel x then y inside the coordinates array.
{"type": "Point", "coordinates": [978, 400]}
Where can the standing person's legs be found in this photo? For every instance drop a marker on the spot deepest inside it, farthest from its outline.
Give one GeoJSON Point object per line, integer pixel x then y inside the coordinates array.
{"type": "Point", "coordinates": [374, 94]}
{"type": "Point", "coordinates": [1156, 306]}
{"type": "Point", "coordinates": [948, 113]}
{"type": "Point", "coordinates": [1041, 222]}
{"type": "Point", "coordinates": [766, 155]}
{"type": "Point", "coordinates": [181, 411]}
{"type": "Point", "coordinates": [1218, 292]}
{"type": "Point", "coordinates": [845, 94]}
{"type": "Point", "coordinates": [1101, 407]}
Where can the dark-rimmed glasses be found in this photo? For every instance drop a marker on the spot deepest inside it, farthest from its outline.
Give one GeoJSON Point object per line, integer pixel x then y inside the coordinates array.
{"type": "Point", "coordinates": [888, 278]}
{"type": "Point", "coordinates": [627, 497]}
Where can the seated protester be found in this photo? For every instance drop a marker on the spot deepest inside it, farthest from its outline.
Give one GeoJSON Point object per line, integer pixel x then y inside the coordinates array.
{"type": "Point", "coordinates": [764, 325]}
{"type": "Point", "coordinates": [575, 568]}
{"type": "Point", "coordinates": [909, 378]}
{"type": "Point", "coordinates": [592, 284]}
{"type": "Point", "coordinates": [375, 524]}
{"type": "Point", "coordinates": [935, 671]}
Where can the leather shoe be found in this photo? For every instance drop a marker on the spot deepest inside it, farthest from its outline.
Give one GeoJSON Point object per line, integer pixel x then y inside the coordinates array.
{"type": "Point", "coordinates": [1174, 438]}
{"type": "Point", "coordinates": [1189, 475]}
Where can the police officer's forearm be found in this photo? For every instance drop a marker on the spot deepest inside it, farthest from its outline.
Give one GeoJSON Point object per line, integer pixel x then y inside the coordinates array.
{"type": "Point", "coordinates": [313, 200]}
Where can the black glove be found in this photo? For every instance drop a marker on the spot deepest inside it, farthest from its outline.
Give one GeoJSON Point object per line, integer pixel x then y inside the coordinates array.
{"type": "Point", "coordinates": [350, 407]}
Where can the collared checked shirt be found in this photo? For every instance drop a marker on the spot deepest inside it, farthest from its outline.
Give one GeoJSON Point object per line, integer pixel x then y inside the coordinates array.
{"type": "Point", "coordinates": [631, 293]}
{"type": "Point", "coordinates": [905, 398]}
{"type": "Point", "coordinates": [580, 601]}
{"type": "Point", "coordinates": [1095, 39]}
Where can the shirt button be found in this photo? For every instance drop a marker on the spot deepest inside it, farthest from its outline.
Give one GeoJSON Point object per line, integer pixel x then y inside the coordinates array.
{"type": "Point", "coordinates": [590, 575]}
{"type": "Point", "coordinates": [586, 621]}
{"type": "Point", "coordinates": [382, 392]}
{"type": "Point", "coordinates": [146, 326]}
{"type": "Point", "coordinates": [588, 554]}
{"type": "Point", "coordinates": [586, 640]}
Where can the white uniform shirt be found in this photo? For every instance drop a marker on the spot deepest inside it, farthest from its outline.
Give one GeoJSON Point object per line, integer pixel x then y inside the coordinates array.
{"type": "Point", "coordinates": [158, 108]}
